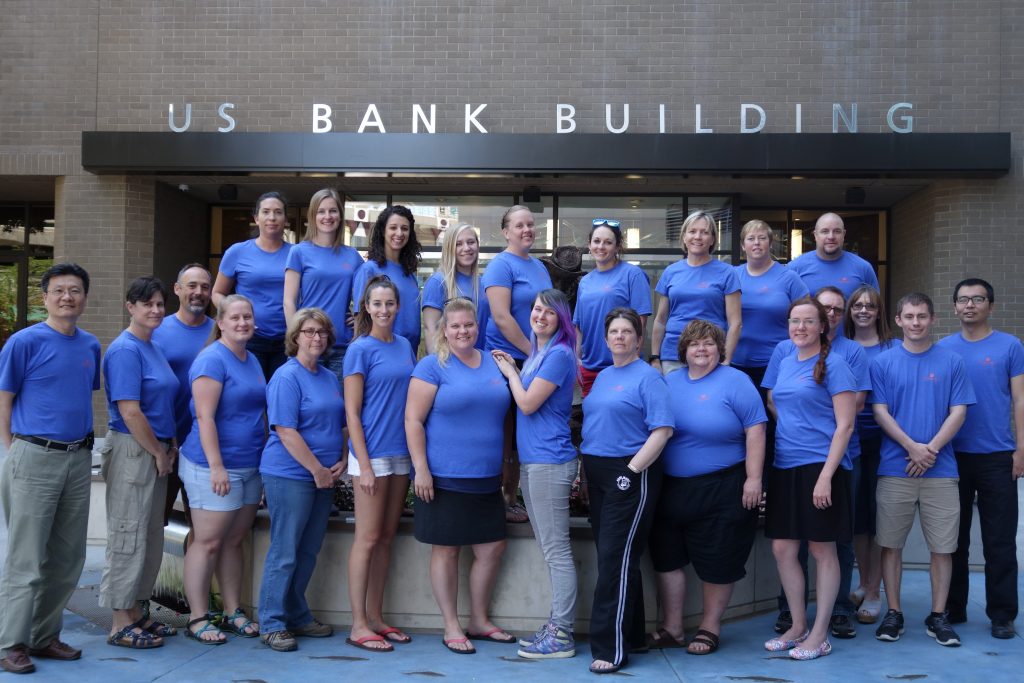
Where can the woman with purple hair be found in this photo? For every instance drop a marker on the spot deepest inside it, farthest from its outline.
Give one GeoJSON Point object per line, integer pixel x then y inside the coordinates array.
{"type": "Point", "coordinates": [547, 459]}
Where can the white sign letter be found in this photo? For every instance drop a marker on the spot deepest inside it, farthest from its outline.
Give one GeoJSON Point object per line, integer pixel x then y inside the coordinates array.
{"type": "Point", "coordinates": [697, 128]}
{"type": "Point", "coordinates": [608, 119]}
{"type": "Point", "coordinates": [799, 118]}
{"type": "Point", "coordinates": [471, 118]}
{"type": "Point", "coordinates": [188, 118]}
{"type": "Point", "coordinates": [419, 115]}
{"type": "Point", "coordinates": [744, 108]}
{"type": "Point", "coordinates": [371, 113]}
{"type": "Point", "coordinates": [661, 118]}
{"type": "Point", "coordinates": [223, 111]}
{"type": "Point", "coordinates": [849, 121]}
{"type": "Point", "coordinates": [908, 121]}
{"type": "Point", "coordinates": [322, 118]}
{"type": "Point", "coordinates": [565, 118]}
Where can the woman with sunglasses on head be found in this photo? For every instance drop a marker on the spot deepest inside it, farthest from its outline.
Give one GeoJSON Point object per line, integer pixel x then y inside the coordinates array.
{"type": "Point", "coordinates": [698, 287]}
{"type": "Point", "coordinates": [321, 271]}
{"type": "Point", "coordinates": [613, 283]}
{"type": "Point", "coordinates": [454, 419]}
{"type": "Point", "coordinates": [813, 395]}
{"type": "Point", "coordinates": [220, 469]}
{"type": "Point", "coordinates": [457, 276]}
{"type": "Point", "coordinates": [627, 420]}
{"type": "Point", "coordinates": [394, 252]}
{"type": "Point", "coordinates": [867, 324]}
{"type": "Point", "coordinates": [255, 269]}
{"type": "Point", "coordinates": [543, 393]}
{"type": "Point", "coordinates": [512, 280]}
{"type": "Point", "coordinates": [301, 463]}
{"type": "Point", "coordinates": [378, 364]}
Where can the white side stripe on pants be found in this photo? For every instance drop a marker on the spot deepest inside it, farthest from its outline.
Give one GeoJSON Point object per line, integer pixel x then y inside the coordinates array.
{"type": "Point", "coordinates": [624, 569]}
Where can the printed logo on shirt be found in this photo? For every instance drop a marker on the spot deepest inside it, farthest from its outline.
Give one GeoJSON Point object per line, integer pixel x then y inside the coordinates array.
{"type": "Point", "coordinates": [623, 483]}
{"type": "Point", "coordinates": [931, 377]}
{"type": "Point", "coordinates": [703, 397]}
{"type": "Point", "coordinates": [347, 266]}
{"type": "Point", "coordinates": [606, 288]}
{"type": "Point", "coordinates": [704, 285]}
{"type": "Point", "coordinates": [497, 381]}
{"type": "Point", "coordinates": [764, 289]}
{"type": "Point", "coordinates": [844, 279]}
{"type": "Point", "coordinates": [988, 362]}
{"type": "Point", "coordinates": [618, 387]}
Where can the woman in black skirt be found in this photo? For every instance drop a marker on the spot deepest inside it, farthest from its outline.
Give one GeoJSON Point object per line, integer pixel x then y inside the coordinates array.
{"type": "Point", "coordinates": [454, 425]}
{"type": "Point", "coordinates": [813, 395]}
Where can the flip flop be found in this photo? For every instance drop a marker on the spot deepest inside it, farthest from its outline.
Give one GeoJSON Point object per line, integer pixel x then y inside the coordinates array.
{"type": "Point", "coordinates": [703, 637]}
{"type": "Point", "coordinates": [516, 514]}
{"type": "Point", "coordinates": [361, 643]}
{"type": "Point", "coordinates": [490, 636]}
{"type": "Point", "coordinates": [662, 640]}
{"type": "Point", "coordinates": [448, 642]}
{"type": "Point", "coordinates": [395, 635]}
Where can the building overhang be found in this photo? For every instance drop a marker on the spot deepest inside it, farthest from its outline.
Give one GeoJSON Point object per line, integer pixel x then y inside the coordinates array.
{"type": "Point", "coordinates": [955, 155]}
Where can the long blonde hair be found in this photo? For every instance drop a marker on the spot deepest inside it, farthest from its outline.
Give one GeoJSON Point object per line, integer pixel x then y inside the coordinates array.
{"type": "Point", "coordinates": [463, 304]}
{"type": "Point", "coordinates": [449, 264]}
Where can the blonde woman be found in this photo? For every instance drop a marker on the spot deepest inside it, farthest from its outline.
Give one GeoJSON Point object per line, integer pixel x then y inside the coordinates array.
{"type": "Point", "coordinates": [458, 276]}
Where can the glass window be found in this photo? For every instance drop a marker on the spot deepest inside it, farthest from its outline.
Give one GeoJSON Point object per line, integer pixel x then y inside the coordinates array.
{"type": "Point", "coordinates": [8, 300]}
{"type": "Point", "coordinates": [435, 215]}
{"type": "Point", "coordinates": [360, 215]}
{"type": "Point", "coordinates": [647, 222]}
{"type": "Point", "coordinates": [12, 229]}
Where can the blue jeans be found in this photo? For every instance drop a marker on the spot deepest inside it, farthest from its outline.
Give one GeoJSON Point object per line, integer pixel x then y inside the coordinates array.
{"type": "Point", "coordinates": [298, 523]}
{"type": "Point", "coordinates": [334, 360]}
{"type": "Point", "coordinates": [269, 353]}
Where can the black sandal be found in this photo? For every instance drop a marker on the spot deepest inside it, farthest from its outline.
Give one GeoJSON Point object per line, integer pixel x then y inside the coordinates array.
{"type": "Point", "coordinates": [127, 637]}
{"type": "Point", "coordinates": [159, 628]}
{"type": "Point", "coordinates": [704, 638]}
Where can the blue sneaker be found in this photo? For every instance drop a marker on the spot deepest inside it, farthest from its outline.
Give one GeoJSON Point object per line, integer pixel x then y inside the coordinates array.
{"type": "Point", "coordinates": [535, 636]}
{"type": "Point", "coordinates": [556, 643]}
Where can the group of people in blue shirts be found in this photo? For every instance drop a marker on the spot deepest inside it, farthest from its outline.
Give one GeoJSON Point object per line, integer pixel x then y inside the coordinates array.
{"type": "Point", "coordinates": [754, 393]}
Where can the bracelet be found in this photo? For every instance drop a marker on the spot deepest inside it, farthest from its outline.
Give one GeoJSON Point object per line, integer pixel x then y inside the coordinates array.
{"type": "Point", "coordinates": [632, 469]}
{"type": "Point", "coordinates": [653, 357]}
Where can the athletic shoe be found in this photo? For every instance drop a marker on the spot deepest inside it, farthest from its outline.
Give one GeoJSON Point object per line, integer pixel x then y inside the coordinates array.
{"type": "Point", "coordinates": [784, 621]}
{"type": "Point", "coordinates": [892, 626]}
{"type": "Point", "coordinates": [537, 635]}
{"type": "Point", "coordinates": [842, 626]}
{"type": "Point", "coordinates": [556, 643]}
{"type": "Point", "coordinates": [937, 626]}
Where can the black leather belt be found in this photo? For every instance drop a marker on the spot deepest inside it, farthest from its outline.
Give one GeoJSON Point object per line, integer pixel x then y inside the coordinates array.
{"type": "Point", "coordinates": [66, 446]}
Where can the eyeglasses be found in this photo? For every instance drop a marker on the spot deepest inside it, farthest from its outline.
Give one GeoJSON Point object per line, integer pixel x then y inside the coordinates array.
{"type": "Point", "coordinates": [834, 310]}
{"type": "Point", "coordinates": [610, 222]}
{"type": "Point", "coordinates": [806, 322]}
{"type": "Point", "coordinates": [73, 292]}
{"type": "Point", "coordinates": [311, 332]}
{"type": "Point", "coordinates": [977, 300]}
{"type": "Point", "coordinates": [864, 307]}
{"type": "Point", "coordinates": [457, 298]}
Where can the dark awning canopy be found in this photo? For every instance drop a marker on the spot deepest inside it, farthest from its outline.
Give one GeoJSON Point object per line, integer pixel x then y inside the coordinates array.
{"type": "Point", "coordinates": [963, 155]}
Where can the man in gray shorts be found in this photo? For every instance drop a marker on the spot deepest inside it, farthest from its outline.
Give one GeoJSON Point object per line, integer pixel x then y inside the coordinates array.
{"type": "Point", "coordinates": [920, 394]}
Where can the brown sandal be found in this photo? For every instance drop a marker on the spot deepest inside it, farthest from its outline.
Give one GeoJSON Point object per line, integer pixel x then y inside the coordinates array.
{"type": "Point", "coordinates": [663, 640]}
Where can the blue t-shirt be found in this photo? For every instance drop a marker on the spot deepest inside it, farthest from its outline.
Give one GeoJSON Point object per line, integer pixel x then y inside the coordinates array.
{"type": "Point", "coordinates": [386, 369]}
{"type": "Point", "coordinates": [259, 275]}
{"type": "Point", "coordinates": [991, 363]}
{"type": "Point", "coordinates": [694, 293]}
{"type": "Point", "coordinates": [327, 275]}
{"type": "Point", "coordinates": [434, 296]}
{"type": "Point", "coordinates": [848, 272]}
{"type": "Point", "coordinates": [241, 429]}
{"type": "Point", "coordinates": [599, 292]}
{"type": "Point", "coordinates": [854, 355]}
{"type": "Point", "coordinates": [465, 426]}
{"type": "Point", "coordinates": [543, 436]}
{"type": "Point", "coordinates": [407, 324]}
{"type": "Point", "coordinates": [622, 409]}
{"type": "Point", "coordinates": [310, 403]}
{"type": "Point", "coordinates": [867, 427]}
{"type": "Point", "coordinates": [52, 377]}
{"type": "Point", "coordinates": [134, 370]}
{"type": "Point", "coordinates": [712, 415]}
{"type": "Point", "coordinates": [524, 278]}
{"type": "Point", "coordinates": [919, 389]}
{"type": "Point", "coordinates": [766, 299]}
{"type": "Point", "coordinates": [806, 417]}
{"type": "Point", "coordinates": [180, 344]}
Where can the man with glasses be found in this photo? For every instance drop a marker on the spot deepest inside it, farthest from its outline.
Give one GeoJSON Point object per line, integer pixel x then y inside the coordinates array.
{"type": "Point", "coordinates": [47, 375]}
{"type": "Point", "coordinates": [920, 393]}
{"type": "Point", "coordinates": [829, 263]}
{"type": "Point", "coordinates": [989, 454]}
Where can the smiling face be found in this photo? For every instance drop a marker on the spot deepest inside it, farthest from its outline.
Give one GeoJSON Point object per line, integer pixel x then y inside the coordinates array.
{"type": "Point", "coordinates": [328, 217]}
{"type": "Point", "coordinates": [236, 322]}
{"type": "Point", "coordinates": [916, 322]}
{"type": "Point", "coordinates": [805, 326]}
{"type": "Point", "coordinates": [603, 246]}
{"type": "Point", "coordinates": [147, 314]}
{"type": "Point", "coordinates": [460, 331]}
{"type": "Point", "coordinates": [64, 297]}
{"type": "Point", "coordinates": [543, 321]}
{"type": "Point", "coordinates": [467, 249]}
{"type": "Point", "coordinates": [193, 290]}
{"type": "Point", "coordinates": [757, 245]}
{"type": "Point", "coordinates": [702, 355]}
{"type": "Point", "coordinates": [864, 312]}
{"type": "Point", "coordinates": [519, 230]}
{"type": "Point", "coordinates": [382, 305]}
{"type": "Point", "coordinates": [834, 306]}
{"type": "Point", "coordinates": [698, 238]}
{"type": "Point", "coordinates": [270, 218]}
{"type": "Point", "coordinates": [396, 235]}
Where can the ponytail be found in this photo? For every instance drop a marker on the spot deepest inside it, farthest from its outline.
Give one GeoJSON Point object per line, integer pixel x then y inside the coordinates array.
{"type": "Point", "coordinates": [363, 324]}
{"type": "Point", "coordinates": [820, 368]}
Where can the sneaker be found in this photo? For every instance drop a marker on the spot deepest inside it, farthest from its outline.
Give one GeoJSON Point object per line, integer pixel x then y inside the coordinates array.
{"type": "Point", "coordinates": [537, 635]}
{"type": "Point", "coordinates": [892, 626]}
{"type": "Point", "coordinates": [784, 622]}
{"type": "Point", "coordinates": [313, 629]}
{"type": "Point", "coordinates": [17, 661]}
{"type": "Point", "coordinates": [556, 643]}
{"type": "Point", "coordinates": [937, 626]}
{"type": "Point", "coordinates": [279, 641]}
{"type": "Point", "coordinates": [842, 626]}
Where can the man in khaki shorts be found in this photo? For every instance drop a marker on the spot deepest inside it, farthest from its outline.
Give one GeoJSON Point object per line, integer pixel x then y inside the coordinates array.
{"type": "Point", "coordinates": [920, 394]}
